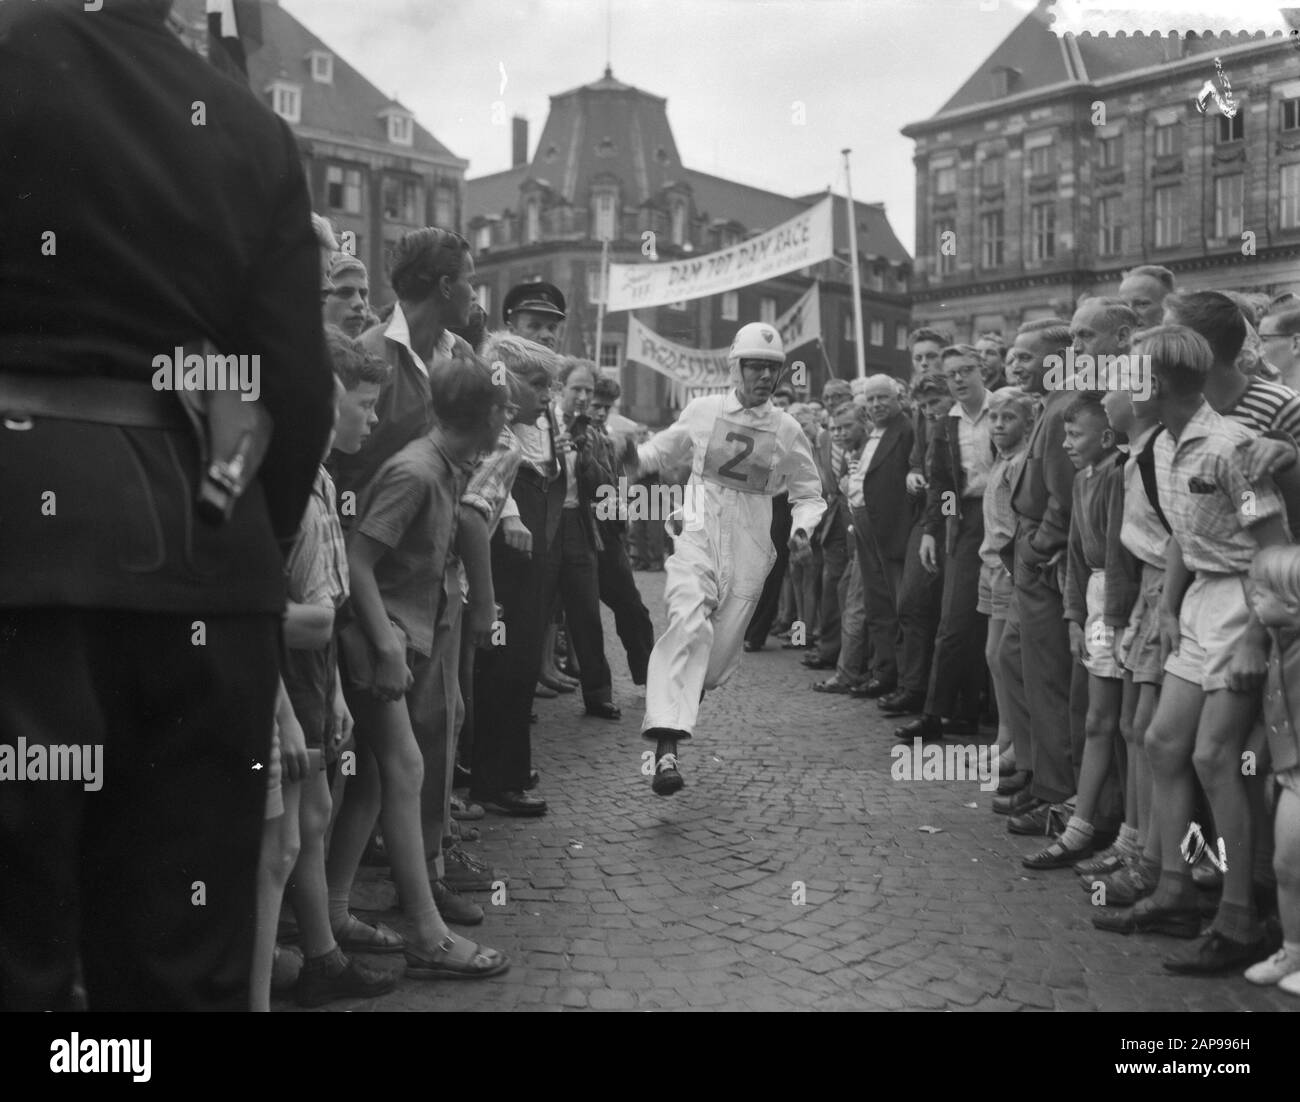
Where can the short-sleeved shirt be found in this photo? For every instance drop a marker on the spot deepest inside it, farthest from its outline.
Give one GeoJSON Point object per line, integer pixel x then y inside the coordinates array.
{"type": "Point", "coordinates": [412, 508]}
{"type": "Point", "coordinates": [317, 570]}
{"type": "Point", "coordinates": [1267, 406]}
{"type": "Point", "coordinates": [1206, 498]}
{"type": "Point", "coordinates": [999, 519]}
{"type": "Point", "coordinates": [489, 486]}
{"type": "Point", "coordinates": [1142, 534]}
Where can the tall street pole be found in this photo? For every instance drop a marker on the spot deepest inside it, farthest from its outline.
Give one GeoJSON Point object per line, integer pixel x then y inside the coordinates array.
{"type": "Point", "coordinates": [858, 344]}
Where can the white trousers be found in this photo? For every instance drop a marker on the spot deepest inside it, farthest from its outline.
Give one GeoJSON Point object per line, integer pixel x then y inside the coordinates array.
{"type": "Point", "coordinates": [714, 579]}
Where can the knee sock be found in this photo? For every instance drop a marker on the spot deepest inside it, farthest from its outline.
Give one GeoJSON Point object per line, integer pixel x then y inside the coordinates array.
{"type": "Point", "coordinates": [1077, 833]}
{"type": "Point", "coordinates": [338, 910]}
{"type": "Point", "coordinates": [1127, 842]}
{"type": "Point", "coordinates": [1174, 889]}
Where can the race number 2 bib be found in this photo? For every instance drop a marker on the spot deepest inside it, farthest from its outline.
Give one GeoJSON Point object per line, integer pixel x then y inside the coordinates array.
{"type": "Point", "coordinates": [740, 456]}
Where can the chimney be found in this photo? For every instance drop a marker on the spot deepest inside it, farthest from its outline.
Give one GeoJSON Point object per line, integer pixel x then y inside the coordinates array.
{"type": "Point", "coordinates": [519, 142]}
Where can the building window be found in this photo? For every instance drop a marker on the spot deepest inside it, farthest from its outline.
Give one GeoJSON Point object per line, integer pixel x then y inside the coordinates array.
{"type": "Point", "coordinates": [401, 129]}
{"type": "Point", "coordinates": [610, 354]}
{"type": "Point", "coordinates": [483, 237]}
{"type": "Point", "coordinates": [877, 332]}
{"type": "Point", "coordinates": [1040, 160]}
{"type": "Point", "coordinates": [1167, 143]}
{"type": "Point", "coordinates": [343, 189]}
{"type": "Point", "coordinates": [444, 207]}
{"type": "Point", "coordinates": [848, 326]}
{"type": "Point", "coordinates": [1290, 114]}
{"type": "Point", "coordinates": [1042, 221]}
{"type": "Point", "coordinates": [322, 67]}
{"type": "Point", "coordinates": [900, 337]}
{"type": "Point", "coordinates": [1169, 216]}
{"type": "Point", "coordinates": [532, 222]}
{"type": "Point", "coordinates": [1110, 151]}
{"type": "Point", "coordinates": [1229, 194]}
{"type": "Point", "coordinates": [1289, 195]}
{"type": "Point", "coordinates": [595, 286]}
{"type": "Point", "coordinates": [483, 295]}
{"type": "Point", "coordinates": [767, 310]}
{"type": "Point", "coordinates": [945, 180]}
{"type": "Point", "coordinates": [679, 307]}
{"type": "Point", "coordinates": [403, 201]}
{"type": "Point", "coordinates": [991, 252]}
{"type": "Point", "coordinates": [991, 171]}
{"type": "Point", "coordinates": [286, 101]}
{"type": "Point", "coordinates": [1110, 234]}
{"type": "Point", "coordinates": [1231, 129]}
{"type": "Point", "coordinates": [730, 306]}
{"type": "Point", "coordinates": [947, 257]}
{"type": "Point", "coordinates": [605, 217]}
{"type": "Point", "coordinates": [679, 224]}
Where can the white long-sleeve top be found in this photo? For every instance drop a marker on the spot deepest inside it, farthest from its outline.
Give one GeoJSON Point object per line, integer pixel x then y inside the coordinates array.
{"type": "Point", "coordinates": [740, 459]}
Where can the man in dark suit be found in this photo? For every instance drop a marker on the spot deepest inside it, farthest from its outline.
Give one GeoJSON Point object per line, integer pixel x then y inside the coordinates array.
{"type": "Point", "coordinates": [832, 535]}
{"type": "Point", "coordinates": [880, 525]}
{"type": "Point", "coordinates": [959, 470]}
{"type": "Point", "coordinates": [124, 617]}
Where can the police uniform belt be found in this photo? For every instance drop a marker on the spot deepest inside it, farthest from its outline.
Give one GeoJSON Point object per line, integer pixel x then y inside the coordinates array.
{"type": "Point", "coordinates": [89, 398]}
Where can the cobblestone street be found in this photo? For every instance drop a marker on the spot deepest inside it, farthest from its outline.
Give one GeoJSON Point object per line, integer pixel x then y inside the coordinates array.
{"type": "Point", "coordinates": [619, 900]}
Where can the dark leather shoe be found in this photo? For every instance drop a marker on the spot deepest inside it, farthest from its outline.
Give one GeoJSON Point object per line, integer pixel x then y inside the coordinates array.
{"type": "Point", "coordinates": [1142, 918]}
{"type": "Point", "coordinates": [604, 710]}
{"type": "Point", "coordinates": [815, 662]}
{"type": "Point", "coordinates": [455, 907]}
{"type": "Point", "coordinates": [750, 648]}
{"type": "Point", "coordinates": [1015, 804]}
{"type": "Point", "coordinates": [1038, 819]}
{"type": "Point", "coordinates": [901, 704]}
{"type": "Point", "coordinates": [1056, 856]}
{"type": "Point", "coordinates": [960, 728]}
{"type": "Point", "coordinates": [668, 778]}
{"type": "Point", "coordinates": [1216, 953]}
{"type": "Point", "coordinates": [519, 804]}
{"type": "Point", "coordinates": [337, 976]}
{"type": "Point", "coordinates": [1014, 782]}
{"type": "Point", "coordinates": [929, 728]}
{"type": "Point", "coordinates": [873, 689]}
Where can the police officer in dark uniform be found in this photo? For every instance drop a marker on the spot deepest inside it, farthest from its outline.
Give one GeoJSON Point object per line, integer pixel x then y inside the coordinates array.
{"type": "Point", "coordinates": [535, 311]}
{"type": "Point", "coordinates": [147, 203]}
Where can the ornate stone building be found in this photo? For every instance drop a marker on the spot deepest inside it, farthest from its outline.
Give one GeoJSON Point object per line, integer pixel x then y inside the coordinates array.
{"type": "Point", "coordinates": [606, 166]}
{"type": "Point", "coordinates": [373, 170]}
{"type": "Point", "coordinates": [1062, 162]}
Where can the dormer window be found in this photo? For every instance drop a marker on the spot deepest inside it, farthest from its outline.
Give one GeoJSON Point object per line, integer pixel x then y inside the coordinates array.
{"type": "Point", "coordinates": [483, 237]}
{"type": "Point", "coordinates": [605, 148]}
{"type": "Point", "coordinates": [1004, 79]}
{"type": "Point", "coordinates": [604, 211]}
{"type": "Point", "coordinates": [322, 66]}
{"type": "Point", "coordinates": [286, 100]}
{"type": "Point", "coordinates": [401, 125]}
{"type": "Point", "coordinates": [532, 222]}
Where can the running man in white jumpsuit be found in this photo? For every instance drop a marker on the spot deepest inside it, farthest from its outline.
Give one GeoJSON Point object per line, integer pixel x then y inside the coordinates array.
{"type": "Point", "coordinates": [743, 451]}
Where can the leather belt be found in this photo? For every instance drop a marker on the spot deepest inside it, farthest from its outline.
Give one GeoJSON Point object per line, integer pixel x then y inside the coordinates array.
{"type": "Point", "coordinates": [89, 398]}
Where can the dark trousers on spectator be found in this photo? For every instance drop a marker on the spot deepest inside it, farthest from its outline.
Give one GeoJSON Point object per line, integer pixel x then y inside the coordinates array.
{"type": "Point", "coordinates": [881, 581]}
{"type": "Point", "coordinates": [835, 559]}
{"type": "Point", "coordinates": [920, 601]}
{"type": "Point", "coordinates": [111, 876]}
{"type": "Point", "coordinates": [760, 623]}
{"type": "Point", "coordinates": [1046, 666]}
{"type": "Point", "coordinates": [957, 673]}
{"type": "Point", "coordinates": [572, 574]}
{"type": "Point", "coordinates": [646, 537]}
{"type": "Point", "coordinates": [631, 618]}
{"type": "Point", "coordinates": [505, 676]}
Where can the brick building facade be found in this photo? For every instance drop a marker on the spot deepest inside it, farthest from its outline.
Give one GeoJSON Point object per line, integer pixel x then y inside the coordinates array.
{"type": "Point", "coordinates": [1063, 162]}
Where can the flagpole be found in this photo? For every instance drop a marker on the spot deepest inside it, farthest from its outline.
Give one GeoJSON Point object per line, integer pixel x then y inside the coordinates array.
{"type": "Point", "coordinates": [604, 294]}
{"type": "Point", "coordinates": [859, 347]}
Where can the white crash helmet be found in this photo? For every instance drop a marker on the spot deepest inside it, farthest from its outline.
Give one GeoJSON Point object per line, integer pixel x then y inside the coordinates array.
{"type": "Point", "coordinates": [756, 341]}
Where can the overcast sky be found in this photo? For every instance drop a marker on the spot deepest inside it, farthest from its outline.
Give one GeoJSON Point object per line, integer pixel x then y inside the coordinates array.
{"type": "Point", "coordinates": [730, 70]}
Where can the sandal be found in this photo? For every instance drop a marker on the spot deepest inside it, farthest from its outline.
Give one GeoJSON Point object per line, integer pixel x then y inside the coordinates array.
{"type": "Point", "coordinates": [831, 685]}
{"type": "Point", "coordinates": [359, 937]}
{"type": "Point", "coordinates": [479, 963]}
